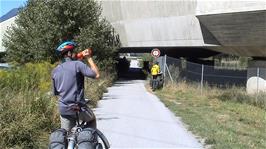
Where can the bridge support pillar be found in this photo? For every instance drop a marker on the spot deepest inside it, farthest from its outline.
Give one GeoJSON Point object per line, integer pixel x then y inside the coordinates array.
{"type": "Point", "coordinates": [256, 76]}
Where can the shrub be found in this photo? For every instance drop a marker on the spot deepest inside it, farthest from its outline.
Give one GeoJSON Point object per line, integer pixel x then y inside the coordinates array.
{"type": "Point", "coordinates": [27, 110]}
{"type": "Point", "coordinates": [24, 116]}
{"type": "Point", "coordinates": [41, 25]}
{"type": "Point", "coordinates": [260, 100]}
{"type": "Point", "coordinates": [239, 95]}
{"type": "Point", "coordinates": [234, 94]}
{"type": "Point", "coordinates": [27, 77]}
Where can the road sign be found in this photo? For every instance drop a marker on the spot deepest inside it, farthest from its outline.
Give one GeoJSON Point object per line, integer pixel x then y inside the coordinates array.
{"type": "Point", "coordinates": [155, 53]}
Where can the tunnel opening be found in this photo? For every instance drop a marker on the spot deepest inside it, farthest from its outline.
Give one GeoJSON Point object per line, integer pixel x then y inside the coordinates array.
{"type": "Point", "coordinates": [132, 66]}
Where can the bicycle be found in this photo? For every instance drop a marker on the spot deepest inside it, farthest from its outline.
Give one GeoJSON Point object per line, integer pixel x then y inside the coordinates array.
{"type": "Point", "coordinates": [75, 131]}
{"type": "Point", "coordinates": [157, 82]}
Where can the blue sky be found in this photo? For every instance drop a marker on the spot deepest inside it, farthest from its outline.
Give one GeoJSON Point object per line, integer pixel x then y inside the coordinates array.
{"type": "Point", "coordinates": [7, 5]}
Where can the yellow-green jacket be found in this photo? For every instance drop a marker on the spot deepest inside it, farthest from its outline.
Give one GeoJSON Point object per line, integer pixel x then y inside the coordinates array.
{"type": "Point", "coordinates": [155, 69]}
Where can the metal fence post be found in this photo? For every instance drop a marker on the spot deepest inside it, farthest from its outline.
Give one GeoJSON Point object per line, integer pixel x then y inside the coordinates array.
{"type": "Point", "coordinates": [201, 81]}
{"type": "Point", "coordinates": [169, 74]}
{"type": "Point", "coordinates": [258, 75]}
{"type": "Point", "coordinates": [164, 65]}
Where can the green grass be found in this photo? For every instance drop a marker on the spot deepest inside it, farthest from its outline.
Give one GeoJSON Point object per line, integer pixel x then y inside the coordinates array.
{"type": "Point", "coordinates": [220, 123]}
{"type": "Point", "coordinates": [28, 112]}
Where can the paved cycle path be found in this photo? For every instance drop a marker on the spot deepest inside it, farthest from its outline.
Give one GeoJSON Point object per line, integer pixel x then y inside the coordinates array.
{"type": "Point", "coordinates": [131, 117]}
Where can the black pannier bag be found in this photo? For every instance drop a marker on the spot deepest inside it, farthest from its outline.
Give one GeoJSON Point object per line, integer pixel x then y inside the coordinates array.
{"type": "Point", "coordinates": [87, 139]}
{"type": "Point", "coordinates": [58, 139]}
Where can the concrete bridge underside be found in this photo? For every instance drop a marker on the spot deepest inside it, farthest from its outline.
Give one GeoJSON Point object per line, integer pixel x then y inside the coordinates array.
{"type": "Point", "coordinates": [240, 33]}
{"type": "Point", "coordinates": [190, 27]}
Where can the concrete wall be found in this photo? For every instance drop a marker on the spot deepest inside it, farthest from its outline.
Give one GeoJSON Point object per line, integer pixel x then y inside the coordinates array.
{"type": "Point", "coordinates": [153, 23]}
{"type": "Point", "coordinates": [3, 27]}
{"type": "Point", "coordinates": [206, 7]}
{"type": "Point", "coordinates": [149, 32]}
{"type": "Point", "coordinates": [149, 23]}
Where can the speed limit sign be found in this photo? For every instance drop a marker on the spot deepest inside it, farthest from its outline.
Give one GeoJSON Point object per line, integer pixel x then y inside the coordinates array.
{"type": "Point", "coordinates": [155, 53]}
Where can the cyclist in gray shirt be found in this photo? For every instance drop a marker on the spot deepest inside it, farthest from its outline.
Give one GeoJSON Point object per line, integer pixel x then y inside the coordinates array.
{"type": "Point", "coordinates": [68, 85]}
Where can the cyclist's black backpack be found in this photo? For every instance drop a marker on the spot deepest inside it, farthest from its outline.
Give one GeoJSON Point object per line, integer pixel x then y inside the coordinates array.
{"type": "Point", "coordinates": [58, 139]}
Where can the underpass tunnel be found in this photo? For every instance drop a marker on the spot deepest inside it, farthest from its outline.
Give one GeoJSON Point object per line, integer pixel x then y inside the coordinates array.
{"type": "Point", "coordinates": [131, 66]}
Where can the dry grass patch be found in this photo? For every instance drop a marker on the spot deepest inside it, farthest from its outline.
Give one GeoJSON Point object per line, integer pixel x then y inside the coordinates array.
{"type": "Point", "coordinates": [222, 123]}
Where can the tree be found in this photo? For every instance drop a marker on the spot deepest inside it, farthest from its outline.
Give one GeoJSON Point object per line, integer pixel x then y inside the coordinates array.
{"type": "Point", "coordinates": [42, 24]}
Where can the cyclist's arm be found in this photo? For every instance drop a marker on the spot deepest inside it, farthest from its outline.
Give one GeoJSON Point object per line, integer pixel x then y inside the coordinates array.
{"type": "Point", "coordinates": [87, 71]}
{"type": "Point", "coordinates": [94, 67]}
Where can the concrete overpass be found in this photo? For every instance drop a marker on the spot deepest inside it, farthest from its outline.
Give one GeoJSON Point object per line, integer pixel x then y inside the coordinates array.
{"type": "Point", "coordinates": [190, 26]}
{"type": "Point", "coordinates": [193, 28]}
{"type": "Point", "coordinates": [182, 27]}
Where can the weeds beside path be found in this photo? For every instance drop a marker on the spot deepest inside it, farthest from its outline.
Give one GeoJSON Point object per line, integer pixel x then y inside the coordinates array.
{"type": "Point", "coordinates": [222, 124]}
{"type": "Point", "coordinates": [28, 111]}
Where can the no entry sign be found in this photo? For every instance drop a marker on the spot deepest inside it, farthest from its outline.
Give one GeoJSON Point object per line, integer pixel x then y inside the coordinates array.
{"type": "Point", "coordinates": [155, 53]}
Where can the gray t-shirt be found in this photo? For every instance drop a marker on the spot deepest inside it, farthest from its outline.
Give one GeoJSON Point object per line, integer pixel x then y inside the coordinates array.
{"type": "Point", "coordinates": [68, 84]}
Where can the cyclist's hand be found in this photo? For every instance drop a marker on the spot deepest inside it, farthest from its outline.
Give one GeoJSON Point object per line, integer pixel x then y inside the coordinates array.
{"type": "Point", "coordinates": [75, 108]}
{"type": "Point", "coordinates": [87, 52]}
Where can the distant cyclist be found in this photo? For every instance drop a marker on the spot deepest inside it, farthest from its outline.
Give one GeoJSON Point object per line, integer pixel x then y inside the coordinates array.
{"type": "Point", "coordinates": [155, 70]}
{"type": "Point", "coordinates": [68, 85]}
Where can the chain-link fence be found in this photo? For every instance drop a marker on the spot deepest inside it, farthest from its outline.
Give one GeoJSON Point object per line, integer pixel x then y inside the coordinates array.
{"type": "Point", "coordinates": [176, 70]}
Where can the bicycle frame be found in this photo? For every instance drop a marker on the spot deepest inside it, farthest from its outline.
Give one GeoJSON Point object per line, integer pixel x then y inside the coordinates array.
{"type": "Point", "coordinates": [72, 138]}
{"type": "Point", "coordinates": [71, 143]}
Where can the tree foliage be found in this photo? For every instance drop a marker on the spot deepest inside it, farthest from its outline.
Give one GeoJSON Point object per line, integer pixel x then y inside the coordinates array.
{"type": "Point", "coordinates": [42, 24]}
